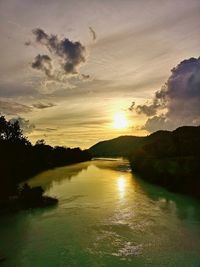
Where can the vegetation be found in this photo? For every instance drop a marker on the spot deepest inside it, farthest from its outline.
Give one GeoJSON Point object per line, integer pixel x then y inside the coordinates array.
{"type": "Point", "coordinates": [118, 147]}
{"type": "Point", "coordinates": [169, 159]}
{"type": "Point", "coordinates": [19, 160]}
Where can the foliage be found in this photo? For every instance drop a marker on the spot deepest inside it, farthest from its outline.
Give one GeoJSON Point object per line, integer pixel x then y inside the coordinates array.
{"type": "Point", "coordinates": [171, 159]}
{"type": "Point", "coordinates": [118, 147]}
{"type": "Point", "coordinates": [19, 159]}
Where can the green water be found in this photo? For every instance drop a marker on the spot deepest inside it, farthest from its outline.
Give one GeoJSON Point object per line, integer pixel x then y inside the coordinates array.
{"type": "Point", "coordinates": [105, 217]}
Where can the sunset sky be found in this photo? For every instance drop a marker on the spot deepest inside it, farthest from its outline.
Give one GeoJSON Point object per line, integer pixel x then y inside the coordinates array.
{"type": "Point", "coordinates": [77, 72]}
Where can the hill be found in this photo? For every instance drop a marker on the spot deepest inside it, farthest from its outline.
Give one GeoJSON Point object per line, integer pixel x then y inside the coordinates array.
{"type": "Point", "coordinates": [171, 159]}
{"type": "Point", "coordinates": [167, 158]}
{"type": "Point", "coordinates": [118, 147]}
{"type": "Point", "coordinates": [182, 141]}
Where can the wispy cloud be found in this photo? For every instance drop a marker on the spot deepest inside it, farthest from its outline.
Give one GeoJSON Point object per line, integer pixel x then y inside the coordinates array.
{"type": "Point", "coordinates": [93, 33]}
{"type": "Point", "coordinates": [40, 105]}
{"type": "Point", "coordinates": [13, 108]}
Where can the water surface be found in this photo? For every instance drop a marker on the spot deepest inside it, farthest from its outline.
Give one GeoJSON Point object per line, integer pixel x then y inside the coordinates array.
{"type": "Point", "coordinates": [105, 217]}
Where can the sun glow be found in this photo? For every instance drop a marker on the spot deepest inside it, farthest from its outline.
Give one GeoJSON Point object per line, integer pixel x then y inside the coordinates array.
{"type": "Point", "coordinates": [120, 121]}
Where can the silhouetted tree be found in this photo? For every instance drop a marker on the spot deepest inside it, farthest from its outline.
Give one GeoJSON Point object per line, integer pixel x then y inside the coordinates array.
{"type": "Point", "coordinates": [20, 160]}
{"type": "Point", "coordinates": [171, 159]}
{"type": "Point", "coordinates": [40, 142]}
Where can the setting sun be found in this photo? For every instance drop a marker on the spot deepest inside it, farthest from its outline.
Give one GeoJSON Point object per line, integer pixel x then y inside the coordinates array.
{"type": "Point", "coordinates": [120, 121]}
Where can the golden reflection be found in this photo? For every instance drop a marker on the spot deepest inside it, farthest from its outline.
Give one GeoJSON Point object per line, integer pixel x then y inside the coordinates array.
{"type": "Point", "coordinates": [121, 184]}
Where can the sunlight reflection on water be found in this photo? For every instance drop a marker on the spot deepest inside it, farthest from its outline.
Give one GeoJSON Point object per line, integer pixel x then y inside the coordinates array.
{"type": "Point", "coordinates": [105, 217]}
{"type": "Point", "coordinates": [121, 185]}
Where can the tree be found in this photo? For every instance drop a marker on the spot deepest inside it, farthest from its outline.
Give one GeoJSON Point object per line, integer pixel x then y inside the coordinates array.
{"type": "Point", "coordinates": [3, 126]}
{"type": "Point", "coordinates": [11, 131]}
{"type": "Point", "coordinates": [40, 142]}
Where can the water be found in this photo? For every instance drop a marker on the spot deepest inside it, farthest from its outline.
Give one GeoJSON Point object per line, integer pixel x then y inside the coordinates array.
{"type": "Point", "coordinates": [105, 217]}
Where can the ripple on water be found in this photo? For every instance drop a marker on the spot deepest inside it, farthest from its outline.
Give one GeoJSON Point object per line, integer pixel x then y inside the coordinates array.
{"type": "Point", "coordinates": [105, 217]}
{"type": "Point", "coordinates": [72, 198]}
{"type": "Point", "coordinates": [114, 240]}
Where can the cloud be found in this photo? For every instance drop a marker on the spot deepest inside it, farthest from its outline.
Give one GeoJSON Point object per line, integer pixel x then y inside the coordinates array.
{"type": "Point", "coordinates": [41, 36]}
{"type": "Point", "coordinates": [24, 124]}
{"type": "Point", "coordinates": [43, 105]}
{"type": "Point", "coordinates": [156, 123]}
{"type": "Point", "coordinates": [93, 33]}
{"type": "Point", "coordinates": [132, 106]}
{"type": "Point", "coordinates": [46, 129]}
{"type": "Point", "coordinates": [148, 109]}
{"type": "Point", "coordinates": [13, 108]}
{"type": "Point", "coordinates": [14, 89]}
{"type": "Point", "coordinates": [177, 103]}
{"type": "Point", "coordinates": [44, 63]}
{"type": "Point", "coordinates": [27, 43]}
{"type": "Point", "coordinates": [85, 76]}
{"type": "Point", "coordinates": [69, 55]}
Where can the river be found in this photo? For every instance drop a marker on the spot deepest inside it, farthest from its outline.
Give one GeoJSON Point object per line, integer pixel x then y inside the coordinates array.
{"type": "Point", "coordinates": [105, 217]}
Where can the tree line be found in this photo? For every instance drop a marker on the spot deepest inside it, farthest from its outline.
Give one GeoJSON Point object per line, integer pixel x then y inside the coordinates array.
{"type": "Point", "coordinates": [19, 159]}
{"type": "Point", "coordinates": [171, 159]}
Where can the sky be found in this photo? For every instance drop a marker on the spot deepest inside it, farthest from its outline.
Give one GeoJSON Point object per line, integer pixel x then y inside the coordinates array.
{"type": "Point", "coordinates": [68, 69]}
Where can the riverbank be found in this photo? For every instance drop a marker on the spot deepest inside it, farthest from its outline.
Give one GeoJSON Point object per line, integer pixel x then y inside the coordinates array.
{"type": "Point", "coordinates": [171, 160]}
{"type": "Point", "coordinates": [20, 160]}
{"type": "Point", "coordinates": [106, 217]}
{"type": "Point", "coordinates": [27, 198]}
{"type": "Point", "coordinates": [176, 174]}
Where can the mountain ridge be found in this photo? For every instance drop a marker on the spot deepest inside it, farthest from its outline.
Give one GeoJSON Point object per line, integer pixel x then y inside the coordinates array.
{"type": "Point", "coordinates": [125, 144]}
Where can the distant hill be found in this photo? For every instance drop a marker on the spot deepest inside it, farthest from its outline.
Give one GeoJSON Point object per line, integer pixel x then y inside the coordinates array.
{"type": "Point", "coordinates": [170, 159]}
{"type": "Point", "coordinates": [124, 146]}
{"type": "Point", "coordinates": [118, 147]}
{"type": "Point", "coordinates": [163, 140]}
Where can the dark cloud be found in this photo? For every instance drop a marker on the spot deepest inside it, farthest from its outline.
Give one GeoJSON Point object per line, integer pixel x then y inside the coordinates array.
{"type": "Point", "coordinates": [13, 108]}
{"type": "Point", "coordinates": [148, 109]}
{"type": "Point", "coordinates": [85, 76]}
{"type": "Point", "coordinates": [132, 106]}
{"type": "Point", "coordinates": [70, 55]}
{"type": "Point", "coordinates": [27, 43]}
{"type": "Point", "coordinates": [46, 129]}
{"type": "Point", "coordinates": [178, 101]}
{"type": "Point", "coordinates": [93, 33]}
{"type": "Point", "coordinates": [43, 63]}
{"type": "Point", "coordinates": [24, 124]}
{"type": "Point", "coordinates": [41, 36]}
{"type": "Point", "coordinates": [43, 105]}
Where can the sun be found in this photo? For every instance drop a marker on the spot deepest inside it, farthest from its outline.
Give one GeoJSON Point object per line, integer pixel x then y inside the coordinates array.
{"type": "Point", "coordinates": [120, 121]}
